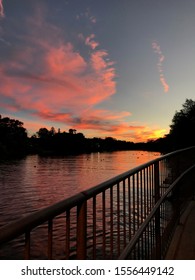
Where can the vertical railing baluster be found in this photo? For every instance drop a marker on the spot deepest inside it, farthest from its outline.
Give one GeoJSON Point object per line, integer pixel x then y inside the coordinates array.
{"type": "Point", "coordinates": [152, 236]}
{"type": "Point", "coordinates": [142, 246]}
{"type": "Point", "coordinates": [146, 244]}
{"type": "Point", "coordinates": [94, 227]}
{"type": "Point", "coordinates": [67, 234]}
{"type": "Point", "coordinates": [124, 214]}
{"type": "Point", "coordinates": [153, 189]}
{"type": "Point", "coordinates": [150, 178]}
{"type": "Point", "coordinates": [151, 244]}
{"type": "Point", "coordinates": [157, 216]}
{"type": "Point", "coordinates": [161, 174]}
{"type": "Point", "coordinates": [141, 194]}
{"type": "Point", "coordinates": [145, 197]}
{"type": "Point", "coordinates": [111, 222]}
{"type": "Point", "coordinates": [27, 245]}
{"type": "Point", "coordinates": [129, 206]}
{"type": "Point", "coordinates": [138, 222]}
{"type": "Point", "coordinates": [156, 181]}
{"type": "Point", "coordinates": [81, 230]}
{"type": "Point", "coordinates": [118, 218]}
{"type": "Point", "coordinates": [138, 215]}
{"type": "Point", "coordinates": [50, 238]}
{"type": "Point", "coordinates": [104, 223]}
{"type": "Point", "coordinates": [148, 186]}
{"type": "Point", "coordinates": [141, 209]}
{"type": "Point", "coordinates": [134, 204]}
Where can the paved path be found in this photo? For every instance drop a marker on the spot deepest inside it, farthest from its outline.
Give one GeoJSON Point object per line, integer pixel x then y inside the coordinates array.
{"type": "Point", "coordinates": [183, 243]}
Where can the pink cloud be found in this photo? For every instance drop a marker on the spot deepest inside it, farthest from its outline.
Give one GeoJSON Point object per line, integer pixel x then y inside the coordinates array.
{"type": "Point", "coordinates": [56, 76]}
{"type": "Point", "coordinates": [161, 58]}
{"type": "Point", "coordinates": [63, 60]}
{"type": "Point", "coordinates": [164, 83]}
{"type": "Point", "coordinates": [93, 19]}
{"type": "Point", "coordinates": [49, 78]}
{"type": "Point", "coordinates": [90, 42]}
{"type": "Point", "coordinates": [90, 119]}
{"type": "Point", "coordinates": [97, 60]}
{"type": "Point", "coordinates": [2, 15]}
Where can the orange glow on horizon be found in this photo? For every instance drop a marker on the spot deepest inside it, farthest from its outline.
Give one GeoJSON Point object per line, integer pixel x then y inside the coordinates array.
{"type": "Point", "coordinates": [139, 134]}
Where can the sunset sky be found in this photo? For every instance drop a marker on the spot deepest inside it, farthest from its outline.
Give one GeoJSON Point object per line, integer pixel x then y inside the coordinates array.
{"type": "Point", "coordinates": [118, 68]}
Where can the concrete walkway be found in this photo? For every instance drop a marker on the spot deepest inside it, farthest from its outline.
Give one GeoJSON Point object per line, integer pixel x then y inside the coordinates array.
{"type": "Point", "coordinates": [183, 243]}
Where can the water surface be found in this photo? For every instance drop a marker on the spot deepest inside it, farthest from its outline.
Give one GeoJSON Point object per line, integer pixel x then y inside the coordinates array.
{"type": "Point", "coordinates": [35, 182]}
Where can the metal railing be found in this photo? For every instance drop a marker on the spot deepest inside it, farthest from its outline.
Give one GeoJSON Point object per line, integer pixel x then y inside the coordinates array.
{"type": "Point", "coordinates": [130, 216]}
{"type": "Point", "coordinates": [152, 239]}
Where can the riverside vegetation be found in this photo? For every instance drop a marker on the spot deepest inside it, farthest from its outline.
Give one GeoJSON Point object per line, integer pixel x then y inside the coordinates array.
{"type": "Point", "coordinates": [15, 142]}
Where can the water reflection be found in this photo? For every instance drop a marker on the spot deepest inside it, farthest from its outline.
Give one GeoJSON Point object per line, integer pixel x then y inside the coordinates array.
{"type": "Point", "coordinates": [35, 182]}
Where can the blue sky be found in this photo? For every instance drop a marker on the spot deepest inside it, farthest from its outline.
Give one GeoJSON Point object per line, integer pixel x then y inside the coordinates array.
{"type": "Point", "coordinates": [118, 68]}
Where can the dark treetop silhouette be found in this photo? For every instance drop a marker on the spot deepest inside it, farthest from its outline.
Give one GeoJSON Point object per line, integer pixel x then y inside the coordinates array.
{"type": "Point", "coordinates": [15, 142]}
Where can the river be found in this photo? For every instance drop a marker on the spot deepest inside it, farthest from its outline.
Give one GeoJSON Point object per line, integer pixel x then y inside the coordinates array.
{"type": "Point", "coordinates": [35, 182]}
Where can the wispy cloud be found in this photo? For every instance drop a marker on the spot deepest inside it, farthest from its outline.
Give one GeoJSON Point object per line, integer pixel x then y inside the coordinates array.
{"type": "Point", "coordinates": [2, 14]}
{"type": "Point", "coordinates": [93, 19]}
{"type": "Point", "coordinates": [91, 42]}
{"type": "Point", "coordinates": [161, 58]}
{"type": "Point", "coordinates": [87, 15]}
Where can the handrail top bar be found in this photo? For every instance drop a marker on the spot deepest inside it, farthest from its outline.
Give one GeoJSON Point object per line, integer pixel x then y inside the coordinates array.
{"type": "Point", "coordinates": [135, 238]}
{"type": "Point", "coordinates": [16, 228]}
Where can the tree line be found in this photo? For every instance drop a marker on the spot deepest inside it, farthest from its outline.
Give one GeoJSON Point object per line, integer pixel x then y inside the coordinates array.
{"type": "Point", "coordinates": [14, 140]}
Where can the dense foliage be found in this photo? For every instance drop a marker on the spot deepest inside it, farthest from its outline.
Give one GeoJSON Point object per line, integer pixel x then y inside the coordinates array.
{"type": "Point", "coordinates": [15, 142]}
{"type": "Point", "coordinates": [13, 137]}
{"type": "Point", "coordinates": [50, 141]}
{"type": "Point", "coordinates": [183, 126]}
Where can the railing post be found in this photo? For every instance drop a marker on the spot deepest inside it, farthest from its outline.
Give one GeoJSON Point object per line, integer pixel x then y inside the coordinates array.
{"type": "Point", "coordinates": [81, 230]}
{"type": "Point", "coordinates": [50, 238]}
{"type": "Point", "coordinates": [157, 215]}
{"type": "Point", "coordinates": [156, 181]}
{"type": "Point", "coordinates": [27, 245]}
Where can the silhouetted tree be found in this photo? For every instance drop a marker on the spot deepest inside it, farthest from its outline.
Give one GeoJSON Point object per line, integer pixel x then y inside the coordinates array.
{"type": "Point", "coordinates": [72, 131]}
{"type": "Point", "coordinates": [43, 132]}
{"type": "Point", "coordinates": [183, 125]}
{"type": "Point", "coordinates": [52, 131]}
{"type": "Point", "coordinates": [13, 136]}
